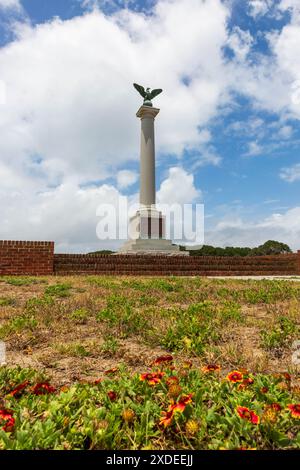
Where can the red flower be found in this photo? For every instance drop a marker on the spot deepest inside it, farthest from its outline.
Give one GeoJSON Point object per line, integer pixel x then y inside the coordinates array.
{"type": "Point", "coordinates": [9, 420]}
{"type": "Point", "coordinates": [295, 410]}
{"type": "Point", "coordinates": [17, 390]}
{"type": "Point", "coordinates": [9, 425]}
{"type": "Point", "coordinates": [179, 406]}
{"type": "Point", "coordinates": [235, 376]}
{"type": "Point", "coordinates": [245, 383]}
{"type": "Point", "coordinates": [275, 407]}
{"type": "Point", "coordinates": [152, 378]}
{"type": "Point", "coordinates": [186, 399]}
{"type": "Point", "coordinates": [5, 414]}
{"type": "Point", "coordinates": [112, 395]}
{"type": "Point", "coordinates": [163, 360]}
{"type": "Point", "coordinates": [172, 380]}
{"type": "Point", "coordinates": [211, 368]}
{"type": "Point", "coordinates": [248, 381]}
{"type": "Point", "coordinates": [182, 403]}
{"type": "Point", "coordinates": [98, 381]}
{"type": "Point", "coordinates": [114, 370]}
{"type": "Point", "coordinates": [287, 376]}
{"type": "Point", "coordinates": [43, 388]}
{"type": "Point", "coordinates": [264, 390]}
{"type": "Point", "coordinates": [247, 414]}
{"type": "Point", "coordinates": [166, 419]}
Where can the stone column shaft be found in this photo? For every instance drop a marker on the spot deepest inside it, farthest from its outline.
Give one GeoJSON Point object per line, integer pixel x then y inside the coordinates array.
{"type": "Point", "coordinates": [147, 157]}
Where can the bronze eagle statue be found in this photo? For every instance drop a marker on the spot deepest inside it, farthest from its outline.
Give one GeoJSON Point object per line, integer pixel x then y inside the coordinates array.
{"type": "Point", "coordinates": [147, 94]}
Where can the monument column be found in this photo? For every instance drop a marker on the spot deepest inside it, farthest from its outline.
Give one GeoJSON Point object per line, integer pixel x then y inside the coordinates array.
{"type": "Point", "coordinates": [148, 226]}
{"type": "Point", "coordinates": [147, 157]}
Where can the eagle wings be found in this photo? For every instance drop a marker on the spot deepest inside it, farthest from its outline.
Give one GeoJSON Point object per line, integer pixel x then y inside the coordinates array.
{"type": "Point", "coordinates": [145, 94]}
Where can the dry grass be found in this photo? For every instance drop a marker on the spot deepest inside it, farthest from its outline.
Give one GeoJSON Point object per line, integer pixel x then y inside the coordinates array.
{"type": "Point", "coordinates": [77, 327]}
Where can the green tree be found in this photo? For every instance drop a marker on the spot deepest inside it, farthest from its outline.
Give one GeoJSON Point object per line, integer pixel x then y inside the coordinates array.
{"type": "Point", "coordinates": [102, 252]}
{"type": "Point", "coordinates": [271, 247]}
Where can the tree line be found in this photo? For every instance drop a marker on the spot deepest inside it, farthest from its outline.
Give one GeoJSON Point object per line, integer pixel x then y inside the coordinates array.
{"type": "Point", "coordinates": [271, 247]}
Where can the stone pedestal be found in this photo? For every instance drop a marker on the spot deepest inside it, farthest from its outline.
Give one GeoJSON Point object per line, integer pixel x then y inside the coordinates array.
{"type": "Point", "coordinates": [151, 247]}
{"type": "Point", "coordinates": [147, 224]}
{"type": "Point", "coordinates": [147, 228]}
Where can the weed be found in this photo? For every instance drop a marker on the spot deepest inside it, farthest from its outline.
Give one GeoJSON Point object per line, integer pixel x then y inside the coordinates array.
{"type": "Point", "coordinates": [110, 346]}
{"type": "Point", "coordinates": [35, 303]}
{"type": "Point", "coordinates": [120, 313]}
{"type": "Point", "coordinates": [73, 349]}
{"type": "Point", "coordinates": [230, 312]}
{"type": "Point", "coordinates": [7, 302]}
{"type": "Point", "coordinates": [145, 300]}
{"type": "Point", "coordinates": [269, 291]}
{"type": "Point", "coordinates": [283, 331]}
{"type": "Point", "coordinates": [99, 281]}
{"type": "Point", "coordinates": [80, 315]}
{"type": "Point", "coordinates": [17, 324]}
{"type": "Point", "coordinates": [58, 290]}
{"type": "Point", "coordinates": [162, 285]}
{"type": "Point", "coordinates": [23, 281]}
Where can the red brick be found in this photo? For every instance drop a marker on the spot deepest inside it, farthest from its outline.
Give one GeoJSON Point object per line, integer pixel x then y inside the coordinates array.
{"type": "Point", "coordinates": [26, 258]}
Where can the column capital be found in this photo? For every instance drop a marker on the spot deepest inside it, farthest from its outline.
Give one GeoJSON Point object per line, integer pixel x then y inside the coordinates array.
{"type": "Point", "coordinates": [147, 112]}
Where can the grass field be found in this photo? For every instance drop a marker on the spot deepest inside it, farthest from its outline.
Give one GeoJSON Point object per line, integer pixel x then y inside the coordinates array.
{"type": "Point", "coordinates": [79, 350]}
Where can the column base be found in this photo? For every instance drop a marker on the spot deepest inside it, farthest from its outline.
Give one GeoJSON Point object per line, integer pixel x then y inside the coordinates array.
{"type": "Point", "coordinates": [147, 223]}
{"type": "Point", "coordinates": [151, 247]}
{"type": "Point", "coordinates": [147, 234]}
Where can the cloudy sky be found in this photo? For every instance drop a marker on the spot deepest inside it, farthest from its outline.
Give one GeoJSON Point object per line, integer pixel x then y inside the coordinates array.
{"type": "Point", "coordinates": [228, 134]}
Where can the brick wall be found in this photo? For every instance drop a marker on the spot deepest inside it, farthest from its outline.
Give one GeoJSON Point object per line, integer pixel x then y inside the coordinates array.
{"type": "Point", "coordinates": [26, 258]}
{"type": "Point", "coordinates": [37, 258]}
{"type": "Point", "coordinates": [177, 265]}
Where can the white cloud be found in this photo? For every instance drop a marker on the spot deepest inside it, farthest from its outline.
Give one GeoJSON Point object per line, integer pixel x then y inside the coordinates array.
{"type": "Point", "coordinates": [273, 83]}
{"type": "Point", "coordinates": [126, 178]}
{"type": "Point", "coordinates": [178, 188]}
{"type": "Point", "coordinates": [285, 132]}
{"type": "Point", "coordinates": [67, 213]}
{"type": "Point", "coordinates": [240, 42]}
{"type": "Point", "coordinates": [283, 227]}
{"type": "Point", "coordinates": [10, 5]}
{"type": "Point", "coordinates": [69, 85]}
{"type": "Point", "coordinates": [291, 5]}
{"type": "Point", "coordinates": [291, 174]}
{"type": "Point", "coordinates": [92, 4]}
{"type": "Point", "coordinates": [254, 126]}
{"type": "Point", "coordinates": [259, 7]}
{"type": "Point", "coordinates": [69, 117]}
{"type": "Point", "coordinates": [254, 149]}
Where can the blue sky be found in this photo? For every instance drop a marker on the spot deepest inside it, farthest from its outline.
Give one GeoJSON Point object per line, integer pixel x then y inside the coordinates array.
{"type": "Point", "coordinates": [246, 169]}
